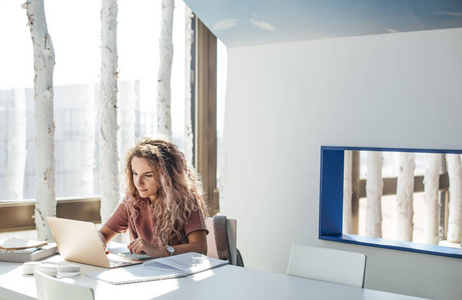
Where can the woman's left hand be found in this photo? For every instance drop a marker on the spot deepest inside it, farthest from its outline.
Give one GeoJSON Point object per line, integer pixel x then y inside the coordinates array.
{"type": "Point", "coordinates": [140, 246]}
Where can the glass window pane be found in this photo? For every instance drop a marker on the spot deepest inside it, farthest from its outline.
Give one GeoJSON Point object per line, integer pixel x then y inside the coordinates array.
{"type": "Point", "coordinates": [76, 41]}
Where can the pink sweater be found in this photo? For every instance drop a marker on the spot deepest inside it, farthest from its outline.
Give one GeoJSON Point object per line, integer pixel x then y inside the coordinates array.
{"type": "Point", "coordinates": [144, 223]}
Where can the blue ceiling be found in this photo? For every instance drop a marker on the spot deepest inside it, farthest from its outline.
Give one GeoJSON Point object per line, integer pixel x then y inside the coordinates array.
{"type": "Point", "coordinates": [250, 22]}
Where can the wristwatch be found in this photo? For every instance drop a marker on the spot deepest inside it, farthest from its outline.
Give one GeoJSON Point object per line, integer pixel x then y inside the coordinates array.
{"type": "Point", "coordinates": [170, 250]}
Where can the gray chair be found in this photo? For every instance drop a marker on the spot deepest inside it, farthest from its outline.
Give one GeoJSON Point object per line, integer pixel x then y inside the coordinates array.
{"type": "Point", "coordinates": [221, 240]}
{"type": "Point", "coordinates": [325, 264]}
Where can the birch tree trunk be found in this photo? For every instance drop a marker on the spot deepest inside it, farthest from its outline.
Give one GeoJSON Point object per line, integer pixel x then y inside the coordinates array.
{"type": "Point", "coordinates": [164, 122]}
{"type": "Point", "coordinates": [405, 197]}
{"type": "Point", "coordinates": [188, 133]}
{"type": "Point", "coordinates": [455, 198]}
{"type": "Point", "coordinates": [374, 191]}
{"type": "Point", "coordinates": [347, 191]}
{"type": "Point", "coordinates": [16, 163]}
{"type": "Point", "coordinates": [432, 204]}
{"type": "Point", "coordinates": [109, 169]}
{"type": "Point", "coordinates": [44, 61]}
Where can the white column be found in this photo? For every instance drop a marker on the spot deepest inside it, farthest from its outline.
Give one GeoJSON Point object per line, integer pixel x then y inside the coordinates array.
{"type": "Point", "coordinates": [188, 133]}
{"type": "Point", "coordinates": [374, 191]}
{"type": "Point", "coordinates": [432, 204]}
{"type": "Point", "coordinates": [455, 198]}
{"type": "Point", "coordinates": [108, 154]}
{"type": "Point", "coordinates": [44, 61]}
{"type": "Point", "coordinates": [405, 197]}
{"type": "Point", "coordinates": [164, 120]}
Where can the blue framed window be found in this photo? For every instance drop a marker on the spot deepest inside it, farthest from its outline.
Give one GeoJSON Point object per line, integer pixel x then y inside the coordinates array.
{"type": "Point", "coordinates": [331, 204]}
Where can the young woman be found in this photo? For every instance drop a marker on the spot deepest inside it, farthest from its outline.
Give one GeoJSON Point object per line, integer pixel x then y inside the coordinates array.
{"type": "Point", "coordinates": [163, 208]}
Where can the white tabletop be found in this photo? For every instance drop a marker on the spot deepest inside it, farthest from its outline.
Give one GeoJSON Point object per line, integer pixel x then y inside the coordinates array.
{"type": "Point", "coordinates": [226, 282]}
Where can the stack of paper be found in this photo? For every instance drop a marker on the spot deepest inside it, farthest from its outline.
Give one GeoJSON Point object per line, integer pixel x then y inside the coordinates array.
{"type": "Point", "coordinates": [21, 250]}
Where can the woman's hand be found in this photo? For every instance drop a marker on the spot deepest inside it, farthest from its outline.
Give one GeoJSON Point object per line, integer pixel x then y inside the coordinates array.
{"type": "Point", "coordinates": [140, 246]}
{"type": "Point", "coordinates": [197, 243]}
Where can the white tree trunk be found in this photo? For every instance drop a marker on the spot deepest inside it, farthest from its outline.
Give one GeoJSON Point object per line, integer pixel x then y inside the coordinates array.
{"type": "Point", "coordinates": [347, 191]}
{"type": "Point", "coordinates": [405, 197]}
{"type": "Point", "coordinates": [432, 204]}
{"type": "Point", "coordinates": [109, 158]}
{"type": "Point", "coordinates": [44, 61]}
{"type": "Point", "coordinates": [164, 122]}
{"type": "Point", "coordinates": [374, 191]}
{"type": "Point", "coordinates": [455, 198]}
{"type": "Point", "coordinates": [16, 162]}
{"type": "Point", "coordinates": [188, 133]}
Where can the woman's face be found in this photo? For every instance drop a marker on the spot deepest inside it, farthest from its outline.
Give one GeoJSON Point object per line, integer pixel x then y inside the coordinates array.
{"type": "Point", "coordinates": [143, 178]}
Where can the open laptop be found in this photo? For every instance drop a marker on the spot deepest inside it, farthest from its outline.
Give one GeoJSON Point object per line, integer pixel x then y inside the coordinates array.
{"type": "Point", "coordinates": [78, 241]}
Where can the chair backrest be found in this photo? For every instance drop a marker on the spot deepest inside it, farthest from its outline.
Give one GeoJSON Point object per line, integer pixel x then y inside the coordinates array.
{"type": "Point", "coordinates": [50, 288]}
{"type": "Point", "coordinates": [212, 237]}
{"type": "Point", "coordinates": [324, 264]}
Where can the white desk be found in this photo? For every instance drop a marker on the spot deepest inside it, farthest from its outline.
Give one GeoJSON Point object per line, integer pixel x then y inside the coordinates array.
{"type": "Point", "coordinates": [226, 282]}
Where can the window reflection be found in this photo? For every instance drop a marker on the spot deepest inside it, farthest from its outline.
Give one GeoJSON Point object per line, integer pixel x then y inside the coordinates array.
{"type": "Point", "coordinates": [430, 217]}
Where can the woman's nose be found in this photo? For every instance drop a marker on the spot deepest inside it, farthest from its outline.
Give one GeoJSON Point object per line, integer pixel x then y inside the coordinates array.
{"type": "Point", "coordinates": [139, 182]}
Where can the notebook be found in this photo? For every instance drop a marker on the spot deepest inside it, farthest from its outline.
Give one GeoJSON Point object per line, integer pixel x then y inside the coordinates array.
{"type": "Point", "coordinates": [180, 265]}
{"type": "Point", "coordinates": [78, 241]}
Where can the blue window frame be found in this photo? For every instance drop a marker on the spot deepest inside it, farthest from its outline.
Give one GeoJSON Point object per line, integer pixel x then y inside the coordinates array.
{"type": "Point", "coordinates": [331, 204]}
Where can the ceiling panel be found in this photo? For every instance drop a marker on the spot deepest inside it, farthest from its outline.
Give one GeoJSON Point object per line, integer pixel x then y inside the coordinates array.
{"type": "Point", "coordinates": [250, 22]}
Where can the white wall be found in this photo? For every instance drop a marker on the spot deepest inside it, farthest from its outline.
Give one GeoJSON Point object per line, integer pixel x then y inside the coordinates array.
{"type": "Point", "coordinates": [286, 100]}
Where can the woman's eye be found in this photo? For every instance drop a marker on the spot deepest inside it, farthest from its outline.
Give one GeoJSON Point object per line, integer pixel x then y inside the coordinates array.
{"type": "Point", "coordinates": [148, 175]}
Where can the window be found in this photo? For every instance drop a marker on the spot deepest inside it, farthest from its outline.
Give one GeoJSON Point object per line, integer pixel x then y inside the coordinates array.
{"type": "Point", "coordinates": [331, 203]}
{"type": "Point", "coordinates": [76, 80]}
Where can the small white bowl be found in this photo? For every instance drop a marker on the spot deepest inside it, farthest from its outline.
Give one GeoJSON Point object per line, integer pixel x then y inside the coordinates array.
{"type": "Point", "coordinates": [68, 271]}
{"type": "Point", "coordinates": [29, 267]}
{"type": "Point", "coordinates": [49, 269]}
{"type": "Point", "coordinates": [68, 268]}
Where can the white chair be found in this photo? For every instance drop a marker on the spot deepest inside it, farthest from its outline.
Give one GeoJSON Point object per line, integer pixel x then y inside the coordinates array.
{"type": "Point", "coordinates": [330, 265]}
{"type": "Point", "coordinates": [231, 226]}
{"type": "Point", "coordinates": [50, 288]}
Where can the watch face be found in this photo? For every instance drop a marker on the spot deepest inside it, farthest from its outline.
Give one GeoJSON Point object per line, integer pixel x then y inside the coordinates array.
{"type": "Point", "coordinates": [170, 250]}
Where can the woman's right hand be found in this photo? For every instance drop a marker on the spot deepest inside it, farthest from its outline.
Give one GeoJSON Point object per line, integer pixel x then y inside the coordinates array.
{"type": "Point", "coordinates": [141, 246]}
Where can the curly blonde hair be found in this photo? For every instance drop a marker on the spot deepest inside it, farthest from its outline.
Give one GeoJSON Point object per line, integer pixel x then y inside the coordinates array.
{"type": "Point", "coordinates": [180, 189]}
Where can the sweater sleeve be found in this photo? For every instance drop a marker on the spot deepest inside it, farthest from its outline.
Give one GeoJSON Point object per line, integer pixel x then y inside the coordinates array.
{"type": "Point", "coordinates": [118, 221]}
{"type": "Point", "coordinates": [196, 222]}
